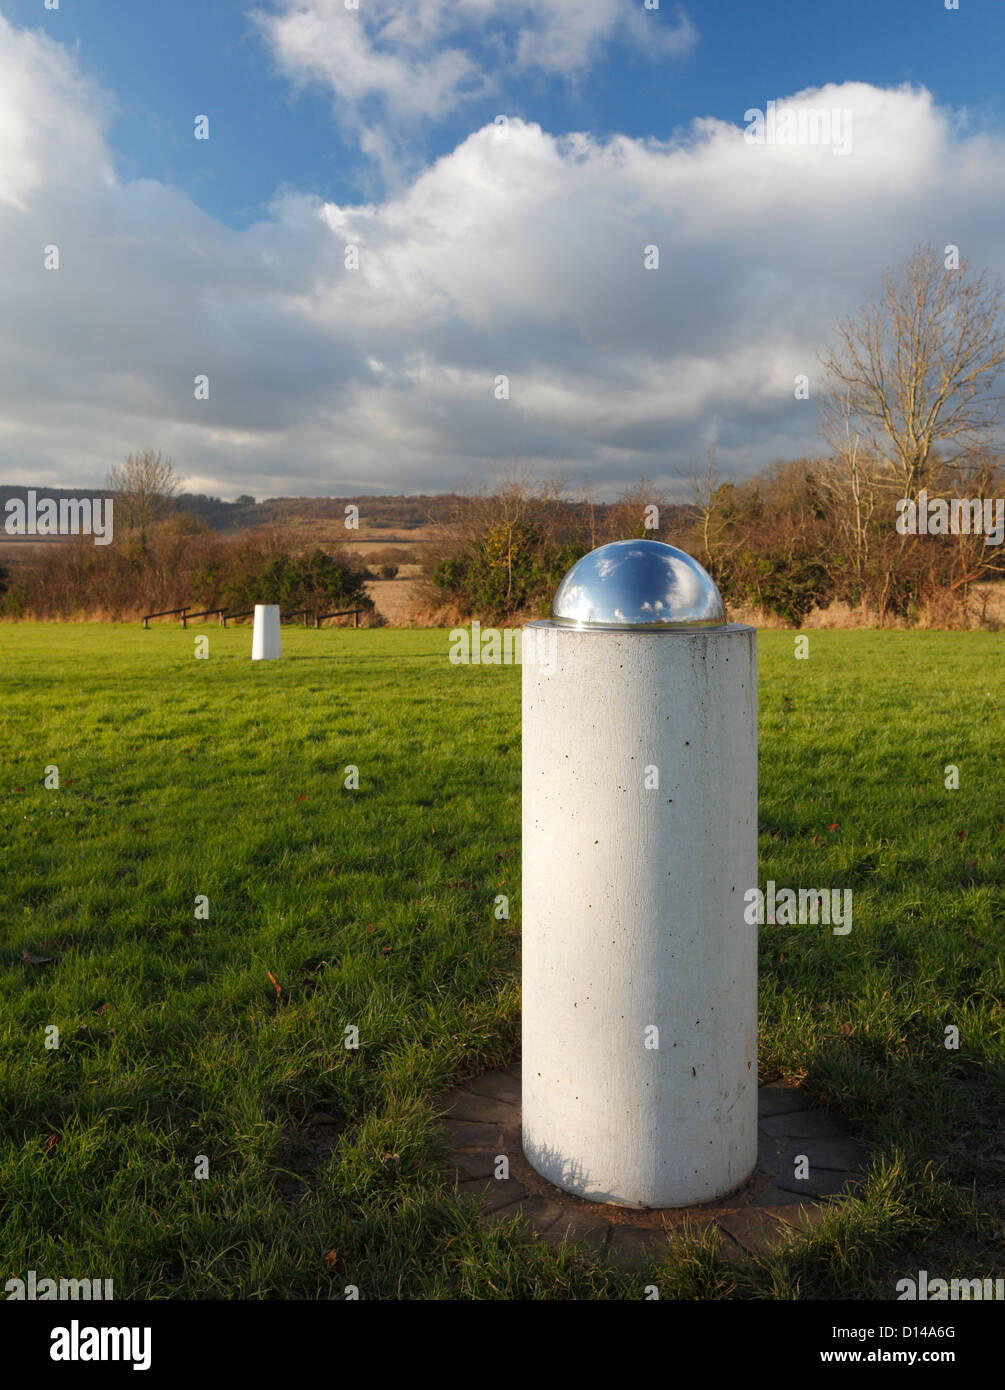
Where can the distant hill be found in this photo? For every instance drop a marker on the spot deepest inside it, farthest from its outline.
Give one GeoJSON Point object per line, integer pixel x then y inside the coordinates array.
{"type": "Point", "coordinates": [394, 513]}
{"type": "Point", "coordinates": [411, 522]}
{"type": "Point", "coordinates": [384, 513]}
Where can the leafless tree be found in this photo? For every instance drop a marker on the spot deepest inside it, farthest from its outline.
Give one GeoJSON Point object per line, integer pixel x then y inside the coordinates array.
{"type": "Point", "coordinates": [144, 486]}
{"type": "Point", "coordinates": [916, 375]}
{"type": "Point", "coordinates": [708, 490]}
{"type": "Point", "coordinates": [851, 482]}
{"type": "Point", "coordinates": [626, 518]}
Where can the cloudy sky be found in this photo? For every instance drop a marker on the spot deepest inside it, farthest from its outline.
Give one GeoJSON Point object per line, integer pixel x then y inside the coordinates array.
{"type": "Point", "coordinates": [501, 167]}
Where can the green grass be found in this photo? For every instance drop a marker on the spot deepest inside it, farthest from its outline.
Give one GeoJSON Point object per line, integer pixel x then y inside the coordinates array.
{"type": "Point", "coordinates": [374, 908]}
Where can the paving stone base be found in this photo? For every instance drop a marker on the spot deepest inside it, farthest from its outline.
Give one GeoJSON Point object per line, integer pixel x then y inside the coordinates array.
{"type": "Point", "coordinates": [482, 1117]}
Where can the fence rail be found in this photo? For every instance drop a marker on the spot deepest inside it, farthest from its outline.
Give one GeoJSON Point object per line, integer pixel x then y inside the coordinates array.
{"type": "Point", "coordinates": [244, 613]}
{"type": "Point", "coordinates": [342, 613]}
{"type": "Point", "coordinates": [306, 613]}
{"type": "Point", "coordinates": [168, 613]}
{"type": "Point", "coordinates": [206, 613]}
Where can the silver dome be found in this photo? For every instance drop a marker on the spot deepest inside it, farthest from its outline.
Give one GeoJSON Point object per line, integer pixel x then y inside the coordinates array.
{"type": "Point", "coordinates": [638, 584]}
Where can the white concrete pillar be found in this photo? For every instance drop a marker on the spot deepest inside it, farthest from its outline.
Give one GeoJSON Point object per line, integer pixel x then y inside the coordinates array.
{"type": "Point", "coordinates": [266, 644]}
{"type": "Point", "coordinates": [639, 842]}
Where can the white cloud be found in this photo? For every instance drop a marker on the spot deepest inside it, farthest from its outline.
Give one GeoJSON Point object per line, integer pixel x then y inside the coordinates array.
{"type": "Point", "coordinates": [389, 65]}
{"type": "Point", "coordinates": [517, 253]}
{"type": "Point", "coordinates": [51, 117]}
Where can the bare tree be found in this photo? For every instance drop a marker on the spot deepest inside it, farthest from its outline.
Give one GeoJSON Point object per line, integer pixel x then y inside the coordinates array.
{"type": "Point", "coordinates": [708, 492]}
{"type": "Point", "coordinates": [851, 482]}
{"type": "Point", "coordinates": [626, 518]}
{"type": "Point", "coordinates": [916, 374]}
{"type": "Point", "coordinates": [144, 486]}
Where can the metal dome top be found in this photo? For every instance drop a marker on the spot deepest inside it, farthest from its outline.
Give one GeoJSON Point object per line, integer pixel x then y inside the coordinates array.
{"type": "Point", "coordinates": [638, 584]}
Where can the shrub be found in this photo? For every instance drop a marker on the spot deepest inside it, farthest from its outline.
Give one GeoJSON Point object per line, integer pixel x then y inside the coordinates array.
{"type": "Point", "coordinates": [508, 568]}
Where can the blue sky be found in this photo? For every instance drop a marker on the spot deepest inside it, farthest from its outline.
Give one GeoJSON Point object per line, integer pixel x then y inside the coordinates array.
{"type": "Point", "coordinates": [167, 61]}
{"type": "Point", "coordinates": [483, 251]}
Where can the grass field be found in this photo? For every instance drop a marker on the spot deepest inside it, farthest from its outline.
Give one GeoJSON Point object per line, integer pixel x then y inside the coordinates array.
{"type": "Point", "coordinates": [329, 907]}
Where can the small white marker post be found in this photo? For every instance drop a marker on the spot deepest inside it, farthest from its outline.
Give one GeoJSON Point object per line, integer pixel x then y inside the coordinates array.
{"type": "Point", "coordinates": [266, 644]}
{"type": "Point", "coordinates": [639, 842]}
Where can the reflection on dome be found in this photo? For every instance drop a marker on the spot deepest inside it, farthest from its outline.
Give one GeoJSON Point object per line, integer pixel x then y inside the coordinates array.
{"type": "Point", "coordinates": [638, 584]}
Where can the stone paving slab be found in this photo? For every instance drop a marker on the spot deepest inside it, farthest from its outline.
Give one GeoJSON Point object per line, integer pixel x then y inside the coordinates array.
{"type": "Point", "coordinates": [755, 1229]}
{"type": "Point", "coordinates": [801, 1215]}
{"type": "Point", "coordinates": [541, 1212]}
{"type": "Point", "coordinates": [633, 1247]}
{"type": "Point", "coordinates": [498, 1084]}
{"type": "Point", "coordinates": [779, 1100]}
{"type": "Point", "coordinates": [822, 1182]}
{"type": "Point", "coordinates": [844, 1155]}
{"type": "Point", "coordinates": [478, 1163]}
{"type": "Point", "coordinates": [482, 1120]}
{"type": "Point", "coordinates": [493, 1193]}
{"type": "Point", "coordinates": [467, 1134]}
{"type": "Point", "coordinates": [486, 1109]}
{"type": "Point", "coordinates": [591, 1231]}
{"type": "Point", "coordinates": [805, 1124]}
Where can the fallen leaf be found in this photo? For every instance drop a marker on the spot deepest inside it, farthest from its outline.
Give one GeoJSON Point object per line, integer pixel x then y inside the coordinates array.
{"type": "Point", "coordinates": [51, 1143]}
{"type": "Point", "coordinates": [30, 959]}
{"type": "Point", "coordinates": [278, 986]}
{"type": "Point", "coordinates": [331, 1259]}
{"type": "Point", "coordinates": [833, 825]}
{"type": "Point", "coordinates": [386, 950]}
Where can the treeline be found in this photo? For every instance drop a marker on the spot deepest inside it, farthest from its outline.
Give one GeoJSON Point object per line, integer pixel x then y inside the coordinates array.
{"type": "Point", "coordinates": [799, 536]}
{"type": "Point", "coordinates": [381, 513]}
{"type": "Point", "coordinates": [505, 552]}
{"type": "Point", "coordinates": [175, 562]}
{"type": "Point", "coordinates": [809, 534]}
